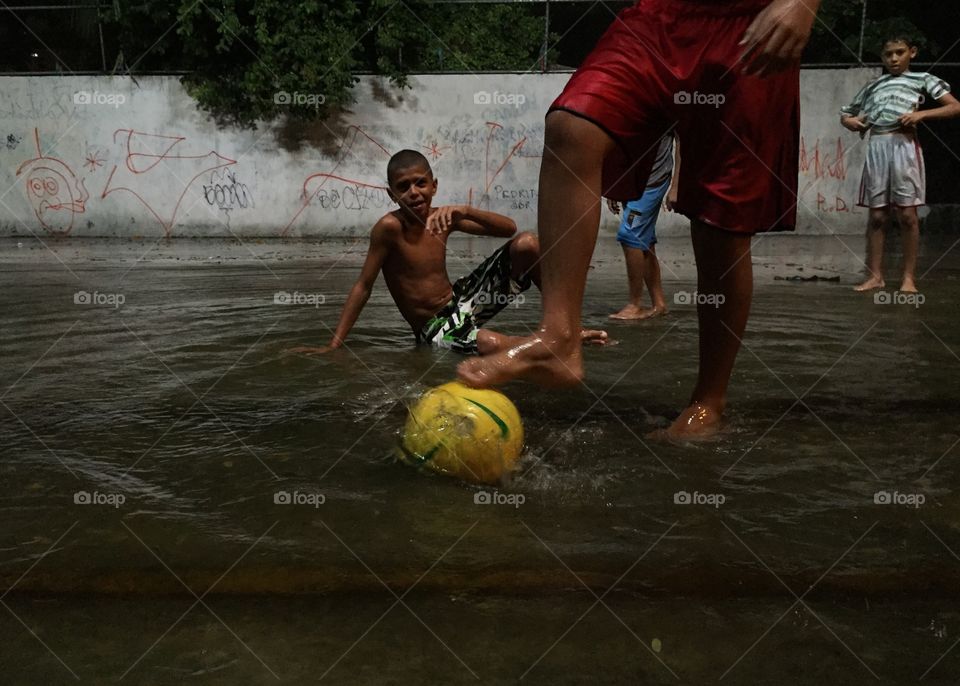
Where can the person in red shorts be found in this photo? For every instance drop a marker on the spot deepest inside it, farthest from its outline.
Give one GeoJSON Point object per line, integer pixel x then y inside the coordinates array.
{"type": "Point", "coordinates": [725, 73]}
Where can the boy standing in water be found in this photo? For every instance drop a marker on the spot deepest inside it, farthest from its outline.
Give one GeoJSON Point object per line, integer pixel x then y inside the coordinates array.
{"type": "Point", "coordinates": [894, 181]}
{"type": "Point", "coordinates": [638, 236]}
{"type": "Point", "coordinates": [409, 245]}
{"type": "Point", "coordinates": [726, 74]}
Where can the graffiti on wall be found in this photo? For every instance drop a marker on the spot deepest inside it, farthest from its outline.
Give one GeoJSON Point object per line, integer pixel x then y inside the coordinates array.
{"type": "Point", "coordinates": [492, 168]}
{"type": "Point", "coordinates": [94, 159]}
{"type": "Point", "coordinates": [823, 176]}
{"type": "Point", "coordinates": [154, 163]}
{"type": "Point", "coordinates": [332, 189]}
{"type": "Point", "coordinates": [54, 192]}
{"type": "Point", "coordinates": [148, 166]}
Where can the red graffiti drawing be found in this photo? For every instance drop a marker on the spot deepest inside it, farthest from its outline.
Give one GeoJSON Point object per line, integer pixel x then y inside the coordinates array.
{"type": "Point", "coordinates": [435, 150]}
{"type": "Point", "coordinates": [313, 185]}
{"type": "Point", "coordinates": [824, 165]}
{"type": "Point", "coordinates": [838, 204]}
{"type": "Point", "coordinates": [53, 190]}
{"type": "Point", "coordinates": [94, 160]}
{"type": "Point", "coordinates": [492, 129]}
{"type": "Point", "coordinates": [152, 166]}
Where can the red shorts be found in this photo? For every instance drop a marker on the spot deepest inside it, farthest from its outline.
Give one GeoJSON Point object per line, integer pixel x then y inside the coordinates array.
{"type": "Point", "coordinates": [674, 63]}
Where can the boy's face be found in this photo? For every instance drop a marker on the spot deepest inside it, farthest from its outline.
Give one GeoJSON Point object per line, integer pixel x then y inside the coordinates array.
{"type": "Point", "coordinates": [413, 189]}
{"type": "Point", "coordinates": [896, 56]}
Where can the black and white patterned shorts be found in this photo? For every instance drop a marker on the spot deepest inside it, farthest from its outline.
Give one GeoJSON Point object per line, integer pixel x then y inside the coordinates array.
{"type": "Point", "coordinates": [476, 298]}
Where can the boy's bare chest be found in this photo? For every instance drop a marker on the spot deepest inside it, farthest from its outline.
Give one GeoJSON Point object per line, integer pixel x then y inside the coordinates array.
{"type": "Point", "coordinates": [422, 254]}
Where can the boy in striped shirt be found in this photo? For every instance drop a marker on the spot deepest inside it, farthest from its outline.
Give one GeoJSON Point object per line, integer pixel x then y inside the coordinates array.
{"type": "Point", "coordinates": [893, 180]}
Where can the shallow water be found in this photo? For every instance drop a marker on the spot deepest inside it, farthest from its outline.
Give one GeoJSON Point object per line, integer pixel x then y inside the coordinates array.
{"type": "Point", "coordinates": [182, 402]}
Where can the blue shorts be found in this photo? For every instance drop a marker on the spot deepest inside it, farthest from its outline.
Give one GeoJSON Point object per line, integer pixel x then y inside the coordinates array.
{"type": "Point", "coordinates": [638, 226]}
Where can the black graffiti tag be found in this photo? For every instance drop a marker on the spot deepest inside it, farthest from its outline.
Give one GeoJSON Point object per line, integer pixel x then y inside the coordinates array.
{"type": "Point", "coordinates": [229, 194]}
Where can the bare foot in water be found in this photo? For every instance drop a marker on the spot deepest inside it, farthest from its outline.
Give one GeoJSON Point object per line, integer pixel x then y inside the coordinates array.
{"type": "Point", "coordinates": [908, 286]}
{"type": "Point", "coordinates": [698, 422]}
{"type": "Point", "coordinates": [551, 363]}
{"type": "Point", "coordinates": [631, 312]}
{"type": "Point", "coordinates": [870, 284]}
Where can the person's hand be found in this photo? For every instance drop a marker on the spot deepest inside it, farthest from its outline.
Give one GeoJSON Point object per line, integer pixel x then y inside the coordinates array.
{"type": "Point", "coordinates": [442, 219]}
{"type": "Point", "coordinates": [776, 37]}
{"type": "Point", "coordinates": [613, 206]}
{"type": "Point", "coordinates": [855, 123]}
{"type": "Point", "coordinates": [310, 350]}
{"type": "Point", "coordinates": [670, 199]}
{"type": "Point", "coordinates": [911, 119]}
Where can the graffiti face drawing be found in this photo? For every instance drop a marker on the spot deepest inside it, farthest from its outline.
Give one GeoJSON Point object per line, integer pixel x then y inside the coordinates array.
{"type": "Point", "coordinates": [54, 192]}
{"type": "Point", "coordinates": [56, 195]}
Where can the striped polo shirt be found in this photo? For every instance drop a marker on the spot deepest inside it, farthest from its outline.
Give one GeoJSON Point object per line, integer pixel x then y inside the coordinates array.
{"type": "Point", "coordinates": [883, 101]}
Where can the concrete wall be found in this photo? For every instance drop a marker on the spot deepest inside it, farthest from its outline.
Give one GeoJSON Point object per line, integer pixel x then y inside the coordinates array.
{"type": "Point", "coordinates": [104, 156]}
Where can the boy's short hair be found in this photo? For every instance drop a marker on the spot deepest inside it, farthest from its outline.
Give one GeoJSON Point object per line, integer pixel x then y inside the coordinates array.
{"type": "Point", "coordinates": [899, 38]}
{"type": "Point", "coordinates": [404, 160]}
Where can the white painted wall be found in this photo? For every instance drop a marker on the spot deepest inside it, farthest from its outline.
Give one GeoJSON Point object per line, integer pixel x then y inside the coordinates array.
{"type": "Point", "coordinates": [141, 160]}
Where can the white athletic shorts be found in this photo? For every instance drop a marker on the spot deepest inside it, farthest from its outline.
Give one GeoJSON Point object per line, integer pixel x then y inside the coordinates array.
{"type": "Point", "coordinates": [893, 173]}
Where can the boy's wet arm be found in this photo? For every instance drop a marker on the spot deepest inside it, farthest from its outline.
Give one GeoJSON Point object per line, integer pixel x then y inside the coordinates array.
{"type": "Point", "coordinates": [360, 293]}
{"type": "Point", "coordinates": [381, 239]}
{"type": "Point", "coordinates": [484, 223]}
{"type": "Point", "coordinates": [948, 107]}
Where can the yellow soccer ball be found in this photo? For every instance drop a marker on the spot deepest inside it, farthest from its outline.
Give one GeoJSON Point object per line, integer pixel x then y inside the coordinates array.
{"type": "Point", "coordinates": [469, 433]}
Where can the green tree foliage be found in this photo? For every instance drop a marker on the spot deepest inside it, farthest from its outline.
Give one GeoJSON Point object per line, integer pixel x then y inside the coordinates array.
{"type": "Point", "coordinates": [836, 33]}
{"type": "Point", "coordinates": [257, 59]}
{"type": "Point", "coordinates": [422, 36]}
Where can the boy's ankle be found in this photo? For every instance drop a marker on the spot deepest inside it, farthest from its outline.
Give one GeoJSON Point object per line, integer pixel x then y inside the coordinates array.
{"type": "Point", "coordinates": [716, 406]}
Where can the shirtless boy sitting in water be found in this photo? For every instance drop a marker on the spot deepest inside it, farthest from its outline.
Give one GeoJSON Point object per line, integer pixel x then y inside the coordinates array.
{"type": "Point", "coordinates": [410, 246]}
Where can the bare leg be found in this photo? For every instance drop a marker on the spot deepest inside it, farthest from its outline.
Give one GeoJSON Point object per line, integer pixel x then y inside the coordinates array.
{"type": "Point", "coordinates": [525, 257]}
{"type": "Point", "coordinates": [876, 224]}
{"type": "Point", "coordinates": [573, 155]}
{"type": "Point", "coordinates": [489, 342]}
{"type": "Point", "coordinates": [642, 268]}
{"type": "Point", "coordinates": [910, 230]}
{"type": "Point", "coordinates": [724, 269]}
{"type": "Point", "coordinates": [636, 263]}
{"type": "Point", "coordinates": [524, 260]}
{"type": "Point", "coordinates": [651, 276]}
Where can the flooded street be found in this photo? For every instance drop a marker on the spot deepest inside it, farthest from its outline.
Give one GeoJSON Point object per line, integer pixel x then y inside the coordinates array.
{"type": "Point", "coordinates": [183, 501]}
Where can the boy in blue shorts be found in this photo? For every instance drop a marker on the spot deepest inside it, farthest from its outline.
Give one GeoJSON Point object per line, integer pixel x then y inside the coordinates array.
{"type": "Point", "coordinates": [894, 181]}
{"type": "Point", "coordinates": [638, 237]}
